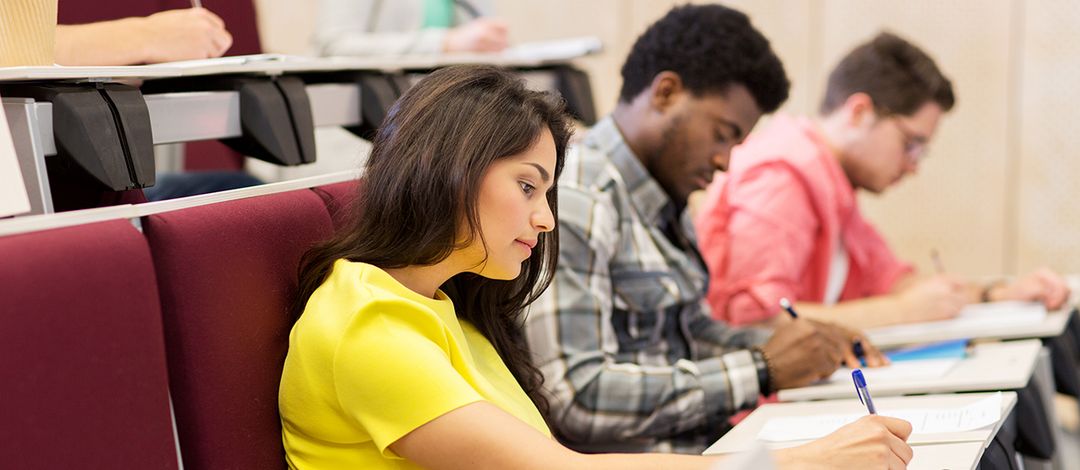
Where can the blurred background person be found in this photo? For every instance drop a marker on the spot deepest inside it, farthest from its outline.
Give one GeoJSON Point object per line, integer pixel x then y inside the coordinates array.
{"type": "Point", "coordinates": [403, 27]}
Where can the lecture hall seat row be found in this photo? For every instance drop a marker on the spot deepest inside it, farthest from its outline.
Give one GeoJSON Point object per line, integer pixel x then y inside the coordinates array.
{"type": "Point", "coordinates": [103, 328]}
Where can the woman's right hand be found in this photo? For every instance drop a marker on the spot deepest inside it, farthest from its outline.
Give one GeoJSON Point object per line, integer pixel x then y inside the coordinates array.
{"type": "Point", "coordinates": [185, 34]}
{"type": "Point", "coordinates": [872, 443]}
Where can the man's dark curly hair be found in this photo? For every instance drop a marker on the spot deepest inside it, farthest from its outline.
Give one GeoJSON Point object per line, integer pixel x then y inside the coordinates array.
{"type": "Point", "coordinates": [710, 47]}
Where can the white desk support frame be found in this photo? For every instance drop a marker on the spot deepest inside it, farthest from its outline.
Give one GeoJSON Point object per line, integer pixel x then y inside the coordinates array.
{"type": "Point", "coordinates": [28, 121]}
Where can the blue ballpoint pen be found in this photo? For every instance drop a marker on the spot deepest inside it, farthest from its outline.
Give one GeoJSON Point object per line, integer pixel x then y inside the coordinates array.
{"type": "Point", "coordinates": [863, 391]}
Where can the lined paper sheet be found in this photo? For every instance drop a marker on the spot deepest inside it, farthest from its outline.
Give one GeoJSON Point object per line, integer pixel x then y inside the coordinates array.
{"type": "Point", "coordinates": [982, 413]}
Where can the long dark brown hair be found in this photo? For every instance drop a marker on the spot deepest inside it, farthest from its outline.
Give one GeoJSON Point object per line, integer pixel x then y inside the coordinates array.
{"type": "Point", "coordinates": [420, 191]}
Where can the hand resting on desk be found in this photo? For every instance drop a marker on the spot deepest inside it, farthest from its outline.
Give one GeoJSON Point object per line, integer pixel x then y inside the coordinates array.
{"type": "Point", "coordinates": [872, 442]}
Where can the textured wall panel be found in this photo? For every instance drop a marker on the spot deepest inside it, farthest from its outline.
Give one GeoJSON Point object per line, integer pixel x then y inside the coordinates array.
{"type": "Point", "coordinates": [1048, 211]}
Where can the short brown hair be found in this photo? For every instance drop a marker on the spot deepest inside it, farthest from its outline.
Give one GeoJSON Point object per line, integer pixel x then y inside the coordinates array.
{"type": "Point", "coordinates": [897, 75]}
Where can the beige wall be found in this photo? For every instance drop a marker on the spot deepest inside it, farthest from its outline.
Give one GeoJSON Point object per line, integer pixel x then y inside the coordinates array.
{"type": "Point", "coordinates": [958, 202]}
{"type": "Point", "coordinates": [995, 193]}
{"type": "Point", "coordinates": [1047, 151]}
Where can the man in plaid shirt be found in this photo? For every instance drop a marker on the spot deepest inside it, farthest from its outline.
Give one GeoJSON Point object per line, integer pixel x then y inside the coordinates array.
{"type": "Point", "coordinates": [632, 360]}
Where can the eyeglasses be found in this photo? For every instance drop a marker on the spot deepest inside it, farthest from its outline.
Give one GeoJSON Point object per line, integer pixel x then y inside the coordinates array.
{"type": "Point", "coordinates": [914, 143]}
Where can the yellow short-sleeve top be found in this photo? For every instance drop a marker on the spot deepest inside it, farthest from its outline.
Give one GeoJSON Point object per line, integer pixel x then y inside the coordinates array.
{"type": "Point", "coordinates": [370, 360]}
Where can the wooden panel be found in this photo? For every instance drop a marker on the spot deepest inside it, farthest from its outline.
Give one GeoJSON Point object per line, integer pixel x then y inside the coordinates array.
{"type": "Point", "coordinates": [27, 32]}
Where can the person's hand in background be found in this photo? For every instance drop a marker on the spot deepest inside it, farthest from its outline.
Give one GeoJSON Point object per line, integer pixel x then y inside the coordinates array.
{"type": "Point", "coordinates": [479, 35]}
{"type": "Point", "coordinates": [192, 33]}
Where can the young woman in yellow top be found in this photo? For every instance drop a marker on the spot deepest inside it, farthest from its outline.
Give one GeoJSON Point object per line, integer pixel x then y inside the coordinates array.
{"type": "Point", "coordinates": [409, 351]}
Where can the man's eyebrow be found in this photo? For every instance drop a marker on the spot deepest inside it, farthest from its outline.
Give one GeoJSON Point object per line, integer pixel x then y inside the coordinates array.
{"type": "Point", "coordinates": [738, 130]}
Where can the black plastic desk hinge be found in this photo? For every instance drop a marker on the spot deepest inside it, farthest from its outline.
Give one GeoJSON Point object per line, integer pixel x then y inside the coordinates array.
{"type": "Point", "coordinates": [101, 131]}
{"type": "Point", "coordinates": [275, 114]}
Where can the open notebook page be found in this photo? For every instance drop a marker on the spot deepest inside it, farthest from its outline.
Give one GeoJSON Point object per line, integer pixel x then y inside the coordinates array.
{"type": "Point", "coordinates": [982, 413]}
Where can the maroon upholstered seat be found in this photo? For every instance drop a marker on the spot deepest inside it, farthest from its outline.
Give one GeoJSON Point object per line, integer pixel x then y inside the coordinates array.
{"type": "Point", "coordinates": [228, 274]}
{"type": "Point", "coordinates": [340, 199]}
{"type": "Point", "coordinates": [82, 357]}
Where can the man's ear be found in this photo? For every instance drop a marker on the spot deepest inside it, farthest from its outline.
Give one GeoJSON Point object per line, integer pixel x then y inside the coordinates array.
{"type": "Point", "coordinates": [859, 108]}
{"type": "Point", "coordinates": [665, 90]}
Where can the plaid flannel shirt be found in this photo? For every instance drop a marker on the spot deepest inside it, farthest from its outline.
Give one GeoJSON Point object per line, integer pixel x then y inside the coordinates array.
{"type": "Point", "coordinates": [631, 359]}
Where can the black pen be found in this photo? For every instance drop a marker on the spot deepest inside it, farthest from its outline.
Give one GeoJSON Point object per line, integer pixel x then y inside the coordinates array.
{"type": "Point", "coordinates": [856, 346]}
{"type": "Point", "coordinates": [786, 305]}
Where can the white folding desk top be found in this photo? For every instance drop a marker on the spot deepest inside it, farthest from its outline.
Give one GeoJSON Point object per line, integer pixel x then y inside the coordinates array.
{"type": "Point", "coordinates": [524, 55]}
{"type": "Point", "coordinates": [1052, 325]}
{"type": "Point", "coordinates": [953, 456]}
{"type": "Point", "coordinates": [928, 456]}
{"type": "Point", "coordinates": [262, 64]}
{"type": "Point", "coordinates": [989, 366]}
{"type": "Point", "coordinates": [84, 73]}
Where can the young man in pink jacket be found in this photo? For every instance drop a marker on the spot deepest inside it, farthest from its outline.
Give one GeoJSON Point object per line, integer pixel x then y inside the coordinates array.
{"type": "Point", "coordinates": [784, 221]}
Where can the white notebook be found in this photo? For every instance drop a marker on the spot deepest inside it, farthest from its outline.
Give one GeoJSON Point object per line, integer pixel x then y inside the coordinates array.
{"type": "Point", "coordinates": [926, 422]}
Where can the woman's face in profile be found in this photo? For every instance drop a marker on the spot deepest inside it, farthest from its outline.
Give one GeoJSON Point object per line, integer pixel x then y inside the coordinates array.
{"type": "Point", "coordinates": [513, 210]}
